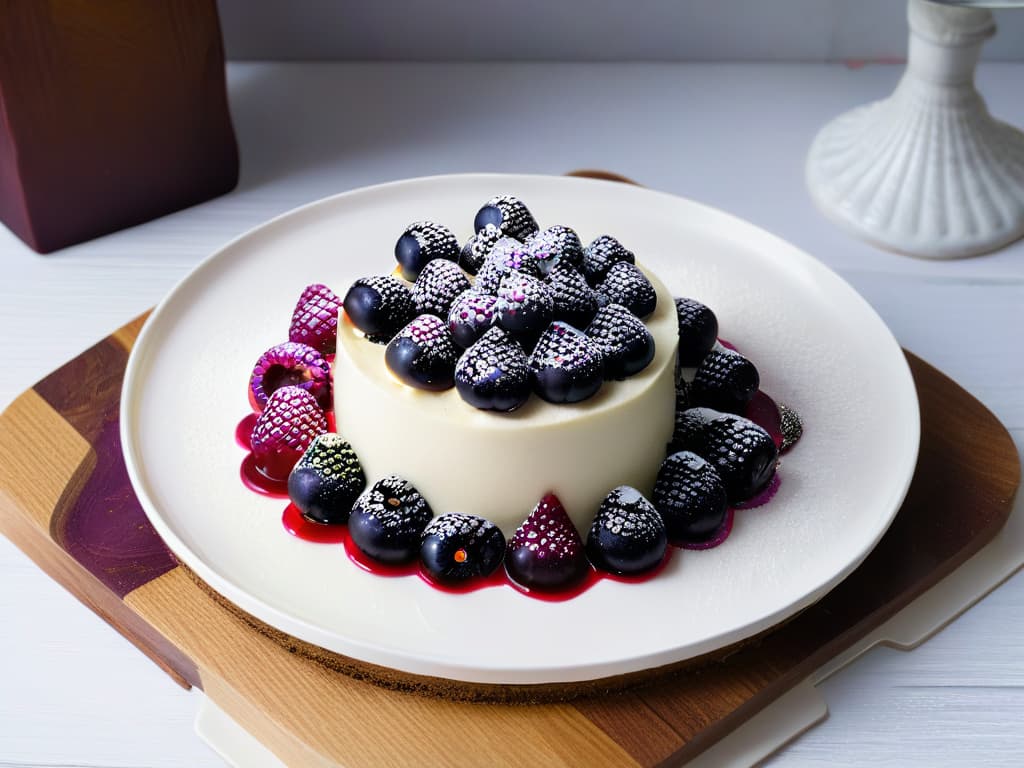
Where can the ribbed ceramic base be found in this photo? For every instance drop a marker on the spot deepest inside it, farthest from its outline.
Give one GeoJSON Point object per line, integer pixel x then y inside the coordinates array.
{"type": "Point", "coordinates": [928, 171]}
{"type": "Point", "coordinates": [922, 174]}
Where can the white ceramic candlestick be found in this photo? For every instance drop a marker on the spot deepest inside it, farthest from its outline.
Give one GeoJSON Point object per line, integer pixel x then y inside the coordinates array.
{"type": "Point", "coordinates": [928, 171]}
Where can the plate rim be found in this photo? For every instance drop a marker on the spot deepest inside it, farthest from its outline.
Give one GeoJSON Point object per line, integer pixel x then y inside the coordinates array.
{"type": "Point", "coordinates": [439, 665]}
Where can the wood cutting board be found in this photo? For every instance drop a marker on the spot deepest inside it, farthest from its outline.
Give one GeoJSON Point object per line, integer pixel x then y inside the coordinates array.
{"type": "Point", "coordinates": [81, 523]}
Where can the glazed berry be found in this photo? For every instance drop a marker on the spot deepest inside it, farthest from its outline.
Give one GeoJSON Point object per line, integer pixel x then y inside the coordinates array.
{"type": "Point", "coordinates": [436, 288]}
{"type": "Point", "coordinates": [315, 319]}
{"type": "Point", "coordinates": [568, 366]}
{"type": "Point", "coordinates": [725, 380]}
{"type": "Point", "coordinates": [423, 354]}
{"type": "Point", "coordinates": [477, 248]}
{"type": "Point", "coordinates": [627, 344]}
{"type": "Point", "coordinates": [472, 313]}
{"type": "Point", "coordinates": [555, 245]}
{"type": "Point", "coordinates": [290, 364]}
{"type": "Point", "coordinates": [690, 497]}
{"type": "Point", "coordinates": [525, 306]}
{"type": "Point", "coordinates": [506, 257]}
{"type": "Point", "coordinates": [508, 214]}
{"type": "Point", "coordinates": [546, 552]}
{"type": "Point", "coordinates": [493, 374]}
{"type": "Point", "coordinates": [421, 243]}
{"type": "Point", "coordinates": [387, 521]}
{"type": "Point", "coordinates": [743, 454]}
{"type": "Point", "coordinates": [379, 306]}
{"type": "Point", "coordinates": [288, 425]}
{"type": "Point", "coordinates": [698, 331]}
{"type": "Point", "coordinates": [326, 480]}
{"type": "Point", "coordinates": [456, 548]}
{"type": "Point", "coordinates": [575, 301]}
{"type": "Point", "coordinates": [600, 255]}
{"type": "Point", "coordinates": [627, 535]}
{"type": "Point", "coordinates": [627, 285]}
{"type": "Point", "coordinates": [791, 425]}
{"type": "Point", "coordinates": [688, 433]}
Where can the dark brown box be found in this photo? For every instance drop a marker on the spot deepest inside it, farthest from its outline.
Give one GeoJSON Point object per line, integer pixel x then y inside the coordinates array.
{"type": "Point", "coordinates": [111, 113]}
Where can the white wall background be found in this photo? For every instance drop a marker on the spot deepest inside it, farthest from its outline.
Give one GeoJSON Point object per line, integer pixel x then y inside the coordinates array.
{"type": "Point", "coordinates": [581, 30]}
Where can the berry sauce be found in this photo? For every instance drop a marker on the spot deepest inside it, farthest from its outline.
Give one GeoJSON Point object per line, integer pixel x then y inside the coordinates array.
{"type": "Point", "coordinates": [302, 527]}
{"type": "Point", "coordinates": [243, 432]}
{"type": "Point", "coordinates": [763, 411]}
{"type": "Point", "coordinates": [256, 481]}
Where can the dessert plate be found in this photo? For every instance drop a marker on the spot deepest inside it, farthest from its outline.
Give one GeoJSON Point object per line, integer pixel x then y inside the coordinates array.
{"type": "Point", "coordinates": [818, 345]}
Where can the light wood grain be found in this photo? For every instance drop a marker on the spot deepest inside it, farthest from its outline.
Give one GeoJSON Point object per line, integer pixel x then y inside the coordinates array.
{"type": "Point", "coordinates": [294, 702]}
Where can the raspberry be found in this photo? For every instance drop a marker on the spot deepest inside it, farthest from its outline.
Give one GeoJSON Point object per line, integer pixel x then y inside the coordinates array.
{"type": "Point", "coordinates": [315, 319]}
{"type": "Point", "coordinates": [290, 364]}
{"type": "Point", "coordinates": [546, 552]}
{"type": "Point", "coordinates": [288, 425]}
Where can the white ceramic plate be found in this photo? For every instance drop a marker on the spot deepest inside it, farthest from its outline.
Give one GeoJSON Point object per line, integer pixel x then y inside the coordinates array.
{"type": "Point", "coordinates": [818, 345]}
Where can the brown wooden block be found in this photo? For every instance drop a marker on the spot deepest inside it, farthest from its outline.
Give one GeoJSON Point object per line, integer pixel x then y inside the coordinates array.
{"type": "Point", "coordinates": [111, 113]}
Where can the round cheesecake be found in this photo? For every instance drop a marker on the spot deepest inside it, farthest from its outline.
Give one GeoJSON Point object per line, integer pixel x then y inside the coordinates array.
{"type": "Point", "coordinates": [499, 465]}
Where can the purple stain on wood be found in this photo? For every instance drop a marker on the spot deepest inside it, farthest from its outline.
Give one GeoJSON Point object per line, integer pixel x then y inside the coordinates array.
{"type": "Point", "coordinates": [104, 528]}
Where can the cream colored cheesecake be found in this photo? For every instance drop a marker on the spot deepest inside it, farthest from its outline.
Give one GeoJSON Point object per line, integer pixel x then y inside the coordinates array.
{"type": "Point", "coordinates": [499, 465]}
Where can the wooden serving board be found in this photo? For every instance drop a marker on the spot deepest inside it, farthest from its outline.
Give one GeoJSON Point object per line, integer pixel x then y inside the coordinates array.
{"type": "Point", "coordinates": [82, 524]}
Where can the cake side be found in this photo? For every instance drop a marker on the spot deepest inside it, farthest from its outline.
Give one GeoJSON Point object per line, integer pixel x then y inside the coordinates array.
{"type": "Point", "coordinates": [498, 465]}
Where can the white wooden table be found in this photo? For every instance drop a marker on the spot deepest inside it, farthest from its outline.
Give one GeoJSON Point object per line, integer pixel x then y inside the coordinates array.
{"type": "Point", "coordinates": [74, 693]}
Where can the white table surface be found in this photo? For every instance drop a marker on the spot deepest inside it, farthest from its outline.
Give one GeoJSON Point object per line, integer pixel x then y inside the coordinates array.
{"type": "Point", "coordinates": [74, 693]}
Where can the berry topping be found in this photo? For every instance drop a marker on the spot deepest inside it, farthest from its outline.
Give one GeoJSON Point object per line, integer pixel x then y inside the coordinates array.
{"type": "Point", "coordinates": [286, 428]}
{"type": "Point", "coordinates": [575, 301]}
{"type": "Point", "coordinates": [525, 306]}
{"type": "Point", "coordinates": [743, 454]}
{"type": "Point", "coordinates": [627, 344]}
{"type": "Point", "coordinates": [627, 535]}
{"type": "Point", "coordinates": [436, 288]}
{"type": "Point", "coordinates": [600, 255]}
{"type": "Point", "coordinates": [690, 497]}
{"type": "Point", "coordinates": [568, 366]}
{"type": "Point", "coordinates": [379, 306]}
{"type": "Point", "coordinates": [507, 256]}
{"type": "Point", "coordinates": [315, 319]}
{"type": "Point", "coordinates": [421, 243]}
{"type": "Point", "coordinates": [698, 330]}
{"type": "Point", "coordinates": [387, 521]}
{"type": "Point", "coordinates": [508, 214]}
{"type": "Point", "coordinates": [476, 249]}
{"type": "Point", "coordinates": [290, 364]}
{"type": "Point", "coordinates": [555, 245]}
{"type": "Point", "coordinates": [327, 480]}
{"type": "Point", "coordinates": [792, 426]}
{"type": "Point", "coordinates": [423, 354]}
{"type": "Point", "coordinates": [456, 548]}
{"type": "Point", "coordinates": [472, 313]}
{"type": "Point", "coordinates": [546, 552]}
{"type": "Point", "coordinates": [493, 374]}
{"type": "Point", "coordinates": [725, 380]}
{"type": "Point", "coordinates": [627, 285]}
